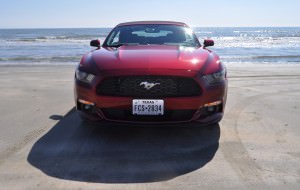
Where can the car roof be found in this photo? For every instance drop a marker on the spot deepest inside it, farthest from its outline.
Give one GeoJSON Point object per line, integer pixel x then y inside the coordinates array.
{"type": "Point", "coordinates": [152, 22]}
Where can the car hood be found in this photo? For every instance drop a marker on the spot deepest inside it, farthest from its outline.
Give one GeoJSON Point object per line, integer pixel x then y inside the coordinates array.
{"type": "Point", "coordinates": [150, 57]}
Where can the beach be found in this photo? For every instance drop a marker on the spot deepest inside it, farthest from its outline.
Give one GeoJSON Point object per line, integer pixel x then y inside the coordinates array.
{"type": "Point", "coordinates": [45, 145]}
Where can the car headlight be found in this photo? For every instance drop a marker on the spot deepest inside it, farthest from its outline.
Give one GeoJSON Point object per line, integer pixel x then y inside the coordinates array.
{"type": "Point", "coordinates": [215, 78]}
{"type": "Point", "coordinates": [84, 77]}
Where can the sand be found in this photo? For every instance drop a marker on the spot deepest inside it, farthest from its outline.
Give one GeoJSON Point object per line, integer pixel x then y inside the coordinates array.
{"type": "Point", "coordinates": [44, 144]}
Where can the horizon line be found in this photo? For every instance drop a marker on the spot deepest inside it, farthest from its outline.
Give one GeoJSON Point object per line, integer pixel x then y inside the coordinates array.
{"type": "Point", "coordinates": [93, 27]}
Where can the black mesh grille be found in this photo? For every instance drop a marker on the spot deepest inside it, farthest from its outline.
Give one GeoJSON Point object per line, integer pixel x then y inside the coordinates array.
{"type": "Point", "coordinates": [135, 86]}
{"type": "Point", "coordinates": [169, 115]}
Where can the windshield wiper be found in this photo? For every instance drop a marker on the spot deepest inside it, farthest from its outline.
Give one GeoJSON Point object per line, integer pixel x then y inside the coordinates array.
{"type": "Point", "coordinates": [116, 45]}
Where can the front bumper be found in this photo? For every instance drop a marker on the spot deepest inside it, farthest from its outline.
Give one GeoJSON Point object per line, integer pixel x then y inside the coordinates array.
{"type": "Point", "coordinates": [206, 108]}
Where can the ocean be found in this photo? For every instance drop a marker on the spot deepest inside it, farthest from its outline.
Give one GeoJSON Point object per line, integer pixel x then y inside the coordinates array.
{"type": "Point", "coordinates": [255, 45]}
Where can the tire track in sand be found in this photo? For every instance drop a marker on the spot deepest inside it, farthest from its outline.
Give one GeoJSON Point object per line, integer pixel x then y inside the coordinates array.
{"type": "Point", "coordinates": [29, 137]}
{"type": "Point", "coordinates": [233, 149]}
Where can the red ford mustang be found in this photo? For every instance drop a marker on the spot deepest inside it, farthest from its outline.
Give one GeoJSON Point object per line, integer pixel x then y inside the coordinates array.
{"type": "Point", "coordinates": [151, 72]}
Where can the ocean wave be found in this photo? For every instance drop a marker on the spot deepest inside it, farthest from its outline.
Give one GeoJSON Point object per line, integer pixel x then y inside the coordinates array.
{"type": "Point", "coordinates": [63, 59]}
{"type": "Point", "coordinates": [276, 57]}
{"type": "Point", "coordinates": [42, 59]}
{"type": "Point", "coordinates": [249, 31]}
{"type": "Point", "coordinates": [256, 42]}
{"type": "Point", "coordinates": [64, 46]}
{"type": "Point", "coordinates": [295, 59]}
{"type": "Point", "coordinates": [263, 57]}
{"type": "Point", "coordinates": [203, 32]}
{"type": "Point", "coordinates": [58, 38]}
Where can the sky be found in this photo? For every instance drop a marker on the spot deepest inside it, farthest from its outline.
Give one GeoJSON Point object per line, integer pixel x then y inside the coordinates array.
{"type": "Point", "coordinates": [100, 13]}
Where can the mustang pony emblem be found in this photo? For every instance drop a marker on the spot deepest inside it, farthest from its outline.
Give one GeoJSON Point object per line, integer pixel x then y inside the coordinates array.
{"type": "Point", "coordinates": [148, 85]}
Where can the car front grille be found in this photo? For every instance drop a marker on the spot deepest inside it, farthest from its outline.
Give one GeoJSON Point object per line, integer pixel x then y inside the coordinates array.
{"type": "Point", "coordinates": [148, 86]}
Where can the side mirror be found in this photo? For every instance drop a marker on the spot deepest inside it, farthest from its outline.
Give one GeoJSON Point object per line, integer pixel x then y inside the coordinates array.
{"type": "Point", "coordinates": [208, 43]}
{"type": "Point", "coordinates": [95, 43]}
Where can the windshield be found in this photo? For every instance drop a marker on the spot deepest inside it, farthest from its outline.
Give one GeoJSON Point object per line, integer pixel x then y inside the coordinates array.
{"type": "Point", "coordinates": [158, 34]}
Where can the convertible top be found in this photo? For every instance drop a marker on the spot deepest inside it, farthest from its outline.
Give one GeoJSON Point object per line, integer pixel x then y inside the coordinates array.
{"type": "Point", "coordinates": [153, 22]}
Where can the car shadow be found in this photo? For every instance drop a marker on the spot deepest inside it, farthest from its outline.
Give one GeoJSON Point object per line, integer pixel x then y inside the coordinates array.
{"type": "Point", "coordinates": [75, 150]}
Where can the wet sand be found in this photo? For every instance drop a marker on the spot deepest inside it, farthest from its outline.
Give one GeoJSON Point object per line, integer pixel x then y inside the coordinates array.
{"type": "Point", "coordinates": [44, 144]}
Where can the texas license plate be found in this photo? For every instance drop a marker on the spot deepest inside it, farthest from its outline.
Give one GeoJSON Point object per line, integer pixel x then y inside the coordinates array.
{"type": "Point", "coordinates": [147, 107]}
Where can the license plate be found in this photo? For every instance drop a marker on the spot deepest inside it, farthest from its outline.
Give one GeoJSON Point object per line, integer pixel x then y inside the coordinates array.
{"type": "Point", "coordinates": [147, 107]}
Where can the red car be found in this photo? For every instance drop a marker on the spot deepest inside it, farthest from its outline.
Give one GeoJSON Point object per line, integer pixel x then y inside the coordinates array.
{"type": "Point", "coordinates": [151, 72]}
